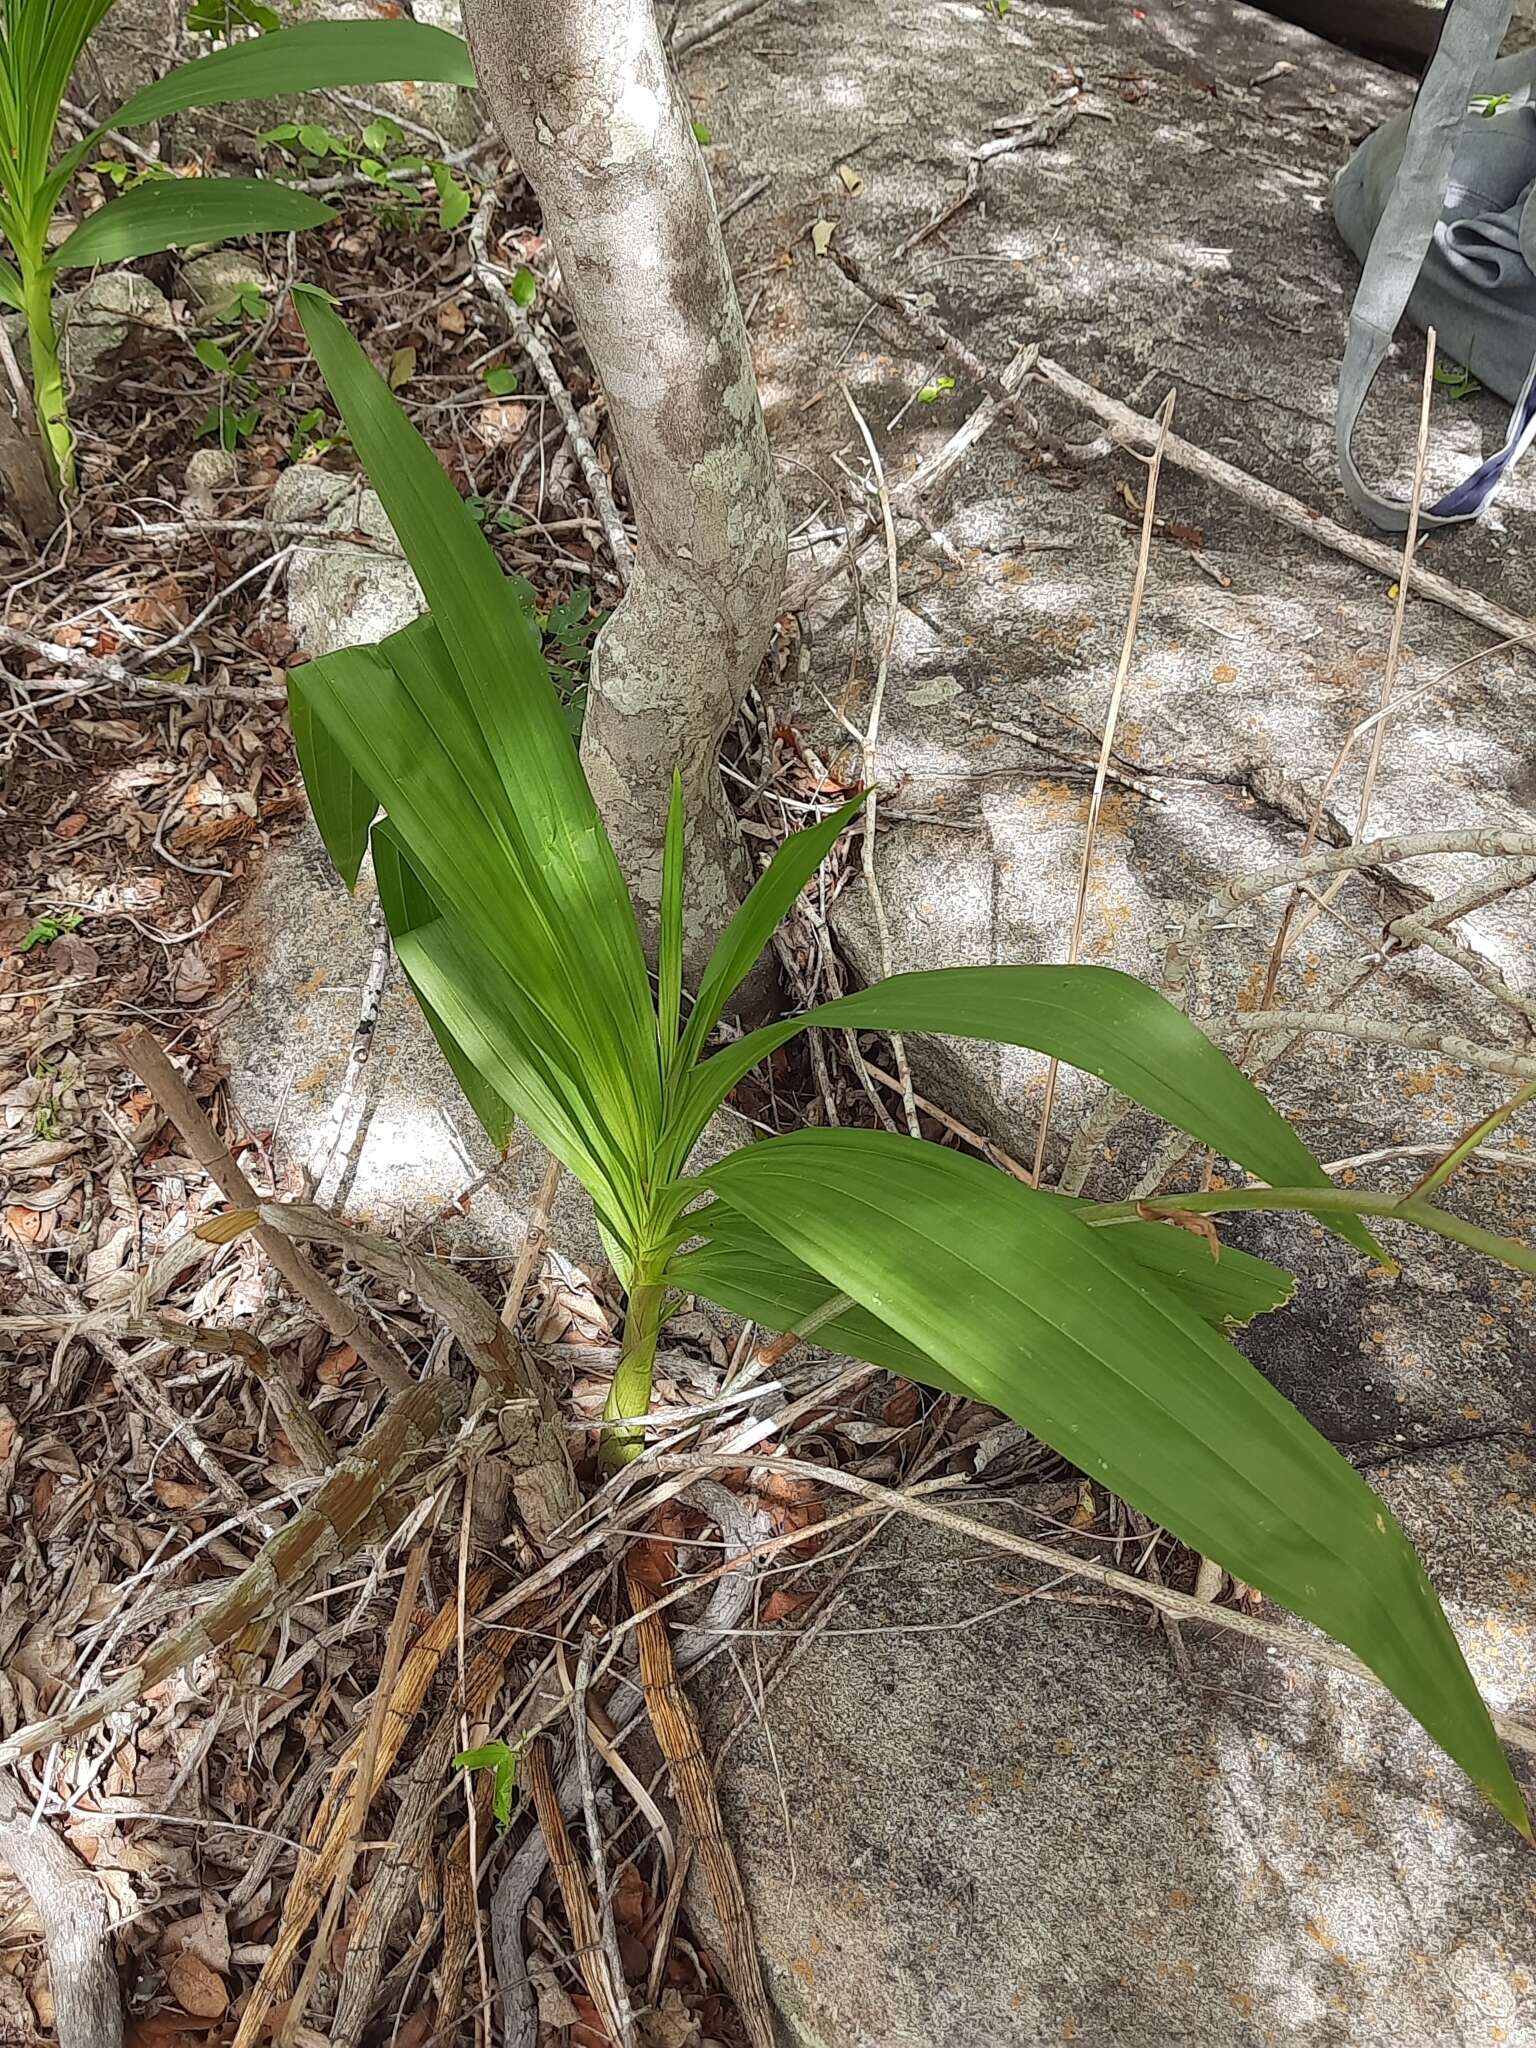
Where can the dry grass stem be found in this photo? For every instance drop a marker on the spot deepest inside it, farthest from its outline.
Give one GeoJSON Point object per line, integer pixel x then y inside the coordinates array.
{"type": "Point", "coordinates": [1106, 751]}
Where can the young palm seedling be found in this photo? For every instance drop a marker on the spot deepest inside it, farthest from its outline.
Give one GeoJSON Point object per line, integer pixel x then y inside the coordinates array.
{"type": "Point", "coordinates": [443, 751]}
{"type": "Point", "coordinates": [41, 42]}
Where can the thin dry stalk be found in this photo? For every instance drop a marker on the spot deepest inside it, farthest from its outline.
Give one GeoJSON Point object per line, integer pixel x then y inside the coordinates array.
{"type": "Point", "coordinates": [370, 1926]}
{"type": "Point", "coordinates": [489, 275]}
{"type": "Point", "coordinates": [1410, 542]}
{"type": "Point", "coordinates": [362, 1793]}
{"type": "Point", "coordinates": [535, 1237]}
{"type": "Point", "coordinates": [347, 1324]}
{"type": "Point", "coordinates": [682, 1743]}
{"type": "Point", "coordinates": [597, 1847]}
{"type": "Point", "coordinates": [870, 744]}
{"type": "Point", "coordinates": [1107, 748]}
{"type": "Point", "coordinates": [586, 1940]}
{"type": "Point", "coordinates": [1296, 920]}
{"type": "Point", "coordinates": [328, 1832]}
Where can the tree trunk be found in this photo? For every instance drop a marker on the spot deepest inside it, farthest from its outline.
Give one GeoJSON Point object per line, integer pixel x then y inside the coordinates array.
{"type": "Point", "coordinates": [586, 100]}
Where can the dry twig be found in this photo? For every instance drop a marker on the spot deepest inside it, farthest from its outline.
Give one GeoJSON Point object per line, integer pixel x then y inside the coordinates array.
{"type": "Point", "coordinates": [87, 2000]}
{"type": "Point", "coordinates": [346, 1323]}
{"type": "Point", "coordinates": [1106, 749]}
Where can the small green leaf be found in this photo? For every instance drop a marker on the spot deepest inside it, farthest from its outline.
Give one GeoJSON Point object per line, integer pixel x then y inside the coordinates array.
{"type": "Point", "coordinates": [285, 131]}
{"type": "Point", "coordinates": [453, 198]}
{"type": "Point", "coordinates": [402, 368]}
{"type": "Point", "coordinates": [500, 381]}
{"type": "Point", "coordinates": [315, 139]}
{"type": "Point", "coordinates": [525, 288]}
{"type": "Point", "coordinates": [381, 135]}
{"type": "Point", "coordinates": [49, 928]}
{"type": "Point", "coordinates": [701, 134]}
{"type": "Point", "coordinates": [501, 1758]}
{"type": "Point", "coordinates": [212, 357]}
{"type": "Point", "coordinates": [931, 393]}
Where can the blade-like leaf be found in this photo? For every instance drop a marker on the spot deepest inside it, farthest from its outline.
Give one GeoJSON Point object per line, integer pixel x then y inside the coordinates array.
{"type": "Point", "coordinates": [767, 904]}
{"type": "Point", "coordinates": [398, 713]}
{"type": "Point", "coordinates": [748, 1272]}
{"type": "Point", "coordinates": [408, 905]}
{"type": "Point", "coordinates": [316, 56]}
{"type": "Point", "coordinates": [1096, 1018]}
{"type": "Point", "coordinates": [343, 804]}
{"type": "Point", "coordinates": [179, 213]}
{"type": "Point", "coordinates": [1011, 1296]}
{"type": "Point", "coordinates": [10, 286]}
{"type": "Point", "coordinates": [669, 952]}
{"type": "Point", "coordinates": [566, 865]}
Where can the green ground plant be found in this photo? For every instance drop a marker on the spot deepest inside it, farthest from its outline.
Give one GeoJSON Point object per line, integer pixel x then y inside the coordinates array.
{"type": "Point", "coordinates": [41, 43]}
{"type": "Point", "coordinates": [444, 751]}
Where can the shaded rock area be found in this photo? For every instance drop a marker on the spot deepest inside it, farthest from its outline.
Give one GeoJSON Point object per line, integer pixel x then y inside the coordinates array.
{"type": "Point", "coordinates": [967, 1818]}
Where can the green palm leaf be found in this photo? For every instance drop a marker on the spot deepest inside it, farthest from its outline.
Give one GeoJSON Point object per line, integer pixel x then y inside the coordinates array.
{"type": "Point", "coordinates": [180, 213]}
{"type": "Point", "coordinates": [1095, 1018]}
{"type": "Point", "coordinates": [1015, 1300]}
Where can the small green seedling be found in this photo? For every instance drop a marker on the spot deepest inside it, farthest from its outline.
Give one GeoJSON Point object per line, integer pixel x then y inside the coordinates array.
{"type": "Point", "coordinates": [501, 1758]}
{"type": "Point", "coordinates": [525, 288]}
{"type": "Point", "coordinates": [1488, 103]}
{"type": "Point", "coordinates": [500, 381]}
{"type": "Point", "coordinates": [446, 752]}
{"type": "Point", "coordinates": [49, 928]}
{"type": "Point", "coordinates": [1456, 381]}
{"type": "Point", "coordinates": [41, 45]}
{"type": "Point", "coordinates": [932, 393]}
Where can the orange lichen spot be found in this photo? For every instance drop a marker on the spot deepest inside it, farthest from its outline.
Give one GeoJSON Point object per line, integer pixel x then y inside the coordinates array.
{"type": "Point", "coordinates": [1320, 1932]}
{"type": "Point", "coordinates": [1223, 672]}
{"type": "Point", "coordinates": [1178, 1899]}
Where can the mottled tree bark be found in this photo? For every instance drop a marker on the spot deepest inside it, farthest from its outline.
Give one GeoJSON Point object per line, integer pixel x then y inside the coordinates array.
{"type": "Point", "coordinates": [585, 97]}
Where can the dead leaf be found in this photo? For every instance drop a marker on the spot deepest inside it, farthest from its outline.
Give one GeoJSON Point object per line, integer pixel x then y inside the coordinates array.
{"type": "Point", "coordinates": [30, 1227]}
{"type": "Point", "coordinates": [901, 1409]}
{"type": "Point", "coordinates": [194, 978]}
{"type": "Point", "coordinates": [852, 182]}
{"type": "Point", "coordinates": [72, 826]}
{"type": "Point", "coordinates": [822, 232]}
{"type": "Point", "coordinates": [204, 1934]}
{"type": "Point", "coordinates": [202, 833]}
{"type": "Point", "coordinates": [177, 1493]}
{"type": "Point", "coordinates": [781, 1603]}
{"type": "Point", "coordinates": [1201, 1226]}
{"type": "Point", "coordinates": [162, 604]}
{"type": "Point", "coordinates": [195, 1988]}
{"type": "Point", "coordinates": [450, 319]}
{"type": "Point", "coordinates": [335, 1366]}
